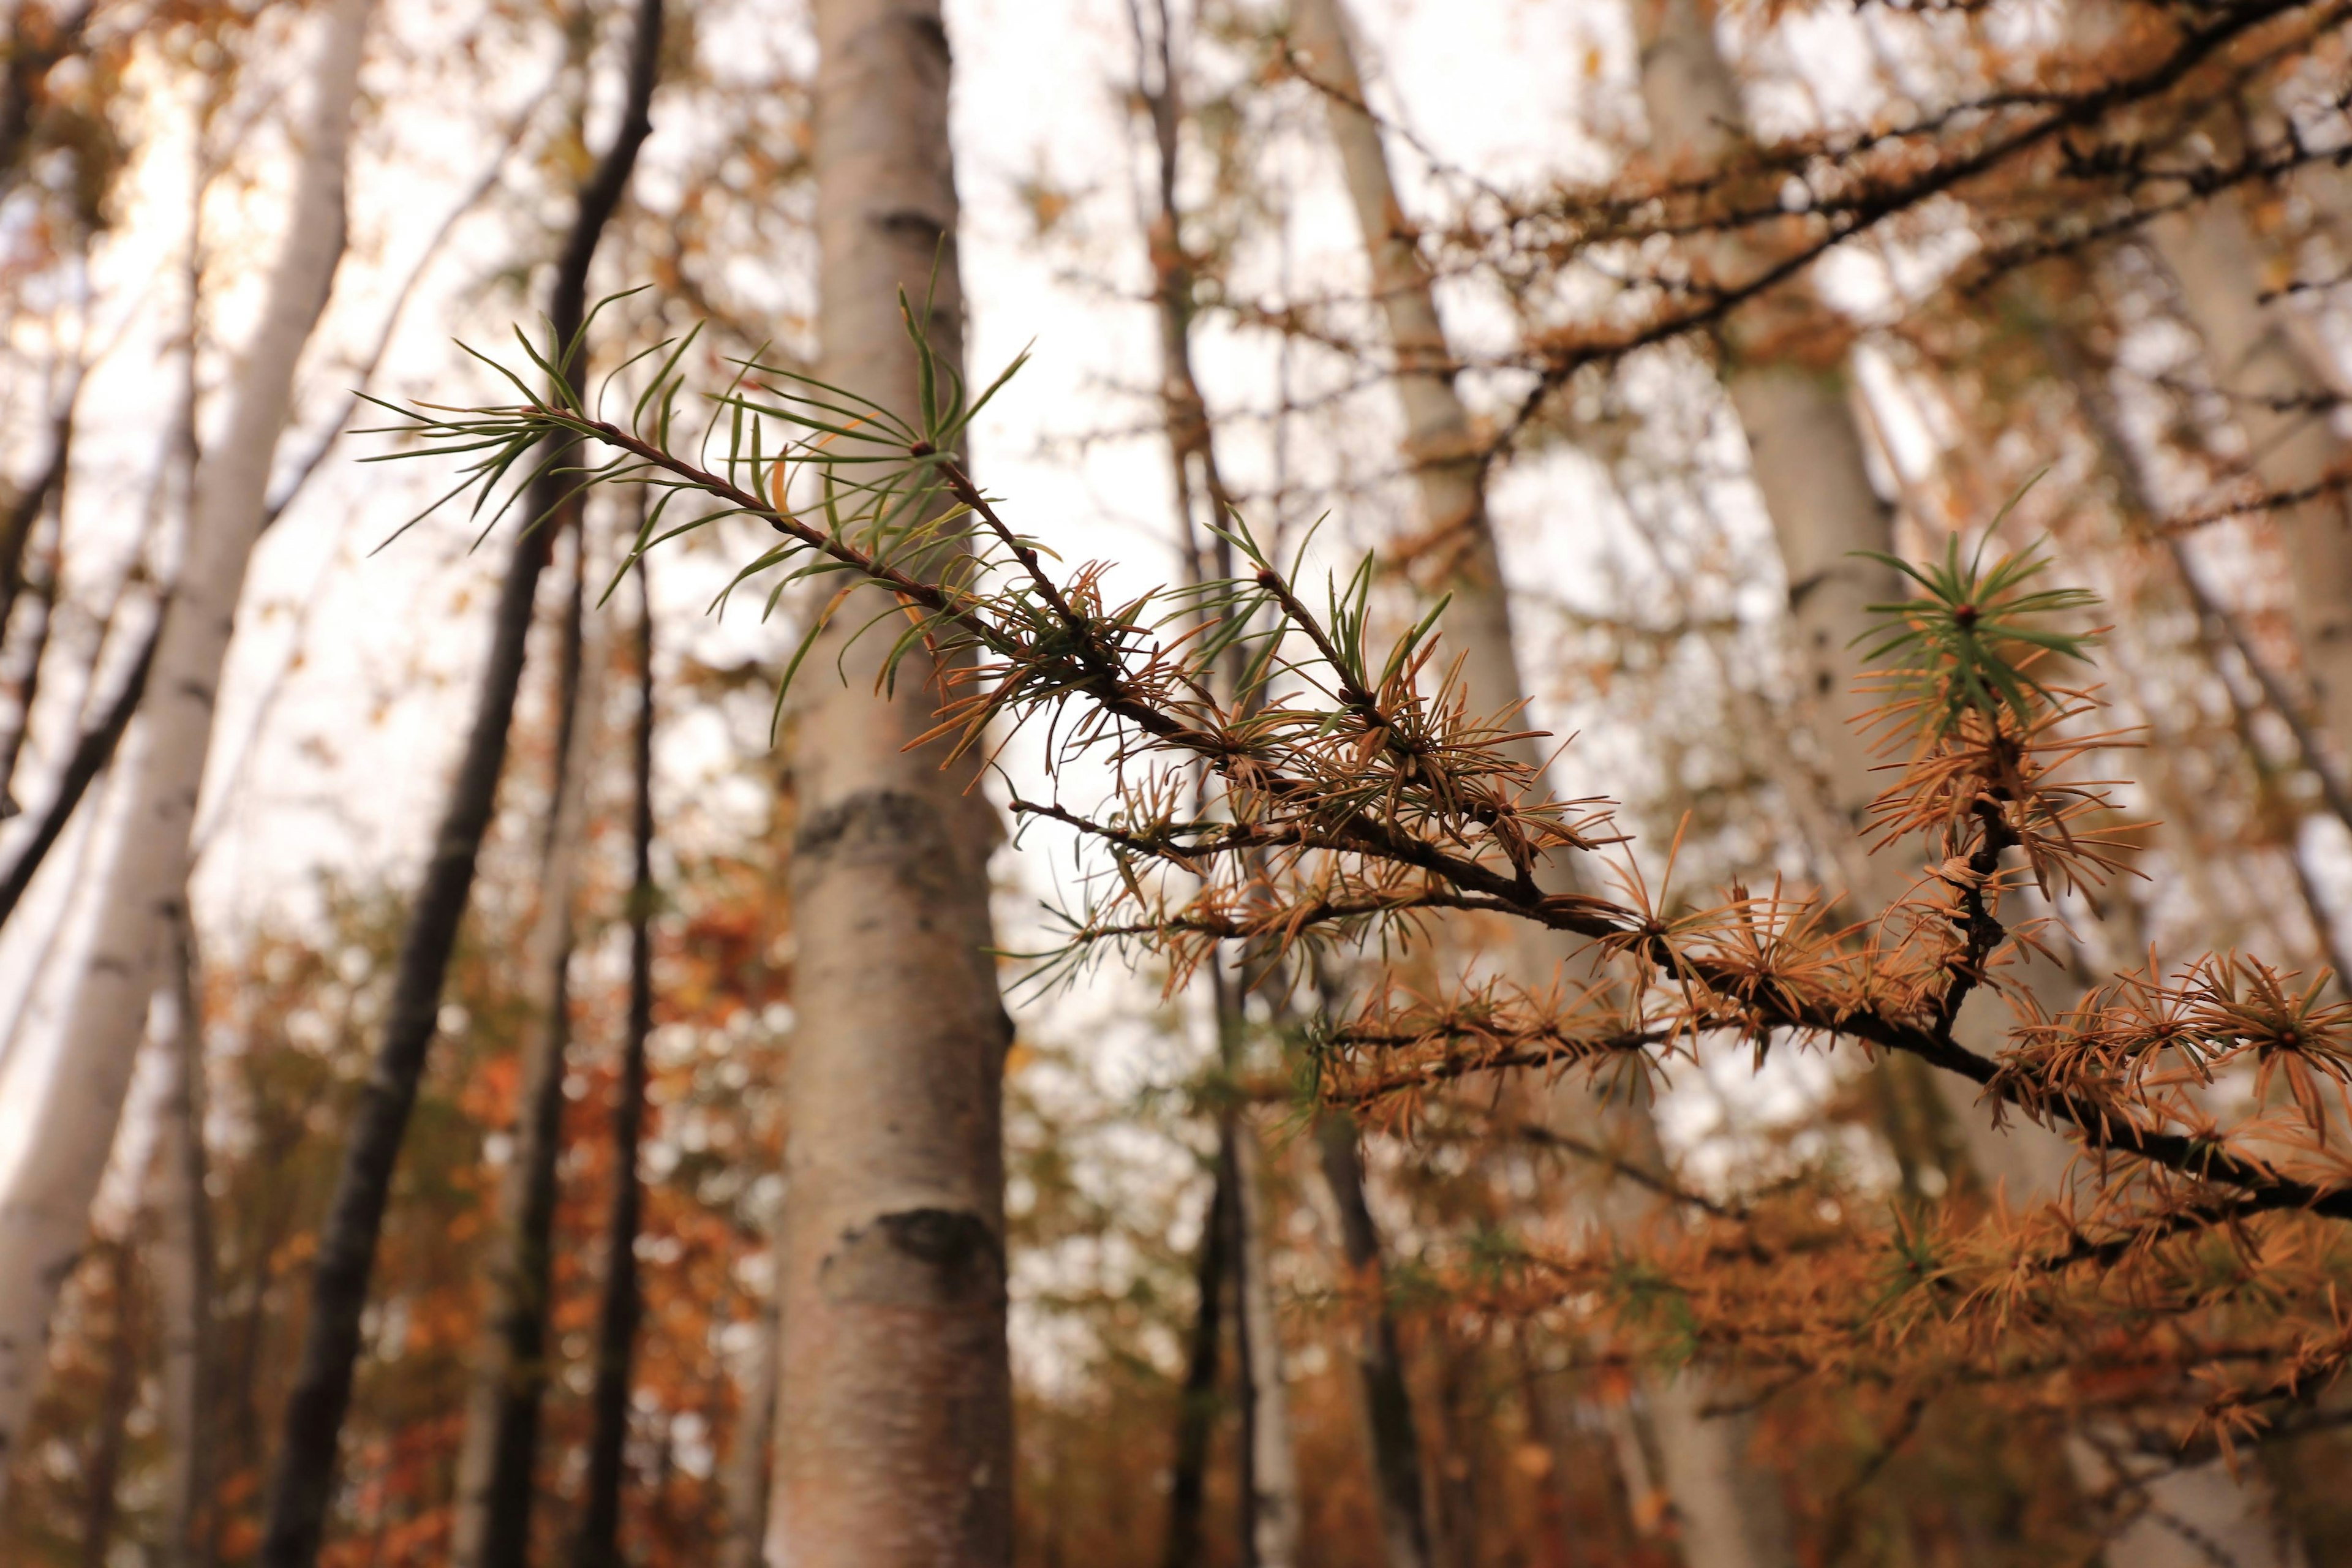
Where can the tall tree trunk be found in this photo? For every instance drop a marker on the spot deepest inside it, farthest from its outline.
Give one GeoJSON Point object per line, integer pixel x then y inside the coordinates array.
{"type": "Point", "coordinates": [45, 1216]}
{"type": "Point", "coordinates": [181, 1267]}
{"type": "Point", "coordinates": [1380, 1363]}
{"type": "Point", "coordinates": [302, 1481]}
{"type": "Point", "coordinates": [497, 1483]}
{"type": "Point", "coordinates": [1456, 556]}
{"type": "Point", "coordinates": [898, 1451]}
{"type": "Point", "coordinates": [616, 1319]}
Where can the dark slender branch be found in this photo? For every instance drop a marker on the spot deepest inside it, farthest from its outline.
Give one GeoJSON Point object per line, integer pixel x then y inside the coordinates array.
{"type": "Point", "coordinates": [621, 1306]}
{"type": "Point", "coordinates": [90, 755]}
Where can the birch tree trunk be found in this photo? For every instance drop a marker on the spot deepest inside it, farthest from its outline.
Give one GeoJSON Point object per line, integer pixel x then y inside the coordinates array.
{"type": "Point", "coordinates": [619, 1311]}
{"type": "Point", "coordinates": [301, 1483]}
{"type": "Point", "coordinates": [1707, 1472]}
{"type": "Point", "coordinates": [899, 1448]}
{"type": "Point", "coordinates": [495, 1484]}
{"type": "Point", "coordinates": [45, 1214]}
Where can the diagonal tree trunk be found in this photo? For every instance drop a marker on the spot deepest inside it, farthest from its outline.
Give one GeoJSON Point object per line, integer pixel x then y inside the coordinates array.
{"type": "Point", "coordinates": [302, 1481]}
{"type": "Point", "coordinates": [497, 1483]}
{"type": "Point", "coordinates": [1731, 1513]}
{"type": "Point", "coordinates": [617, 1313]}
{"type": "Point", "coordinates": [896, 1435]}
{"type": "Point", "coordinates": [44, 1216]}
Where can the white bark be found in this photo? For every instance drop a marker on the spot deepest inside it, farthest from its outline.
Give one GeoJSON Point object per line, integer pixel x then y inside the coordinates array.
{"type": "Point", "coordinates": [898, 1453]}
{"type": "Point", "coordinates": [43, 1217]}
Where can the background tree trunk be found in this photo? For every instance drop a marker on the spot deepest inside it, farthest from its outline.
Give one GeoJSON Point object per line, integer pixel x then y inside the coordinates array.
{"type": "Point", "coordinates": [45, 1216]}
{"type": "Point", "coordinates": [497, 1482]}
{"type": "Point", "coordinates": [899, 1449]}
{"type": "Point", "coordinates": [1197, 1401]}
{"type": "Point", "coordinates": [617, 1313]}
{"type": "Point", "coordinates": [301, 1484]}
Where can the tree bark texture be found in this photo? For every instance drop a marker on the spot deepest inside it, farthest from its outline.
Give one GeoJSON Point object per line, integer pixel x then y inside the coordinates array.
{"type": "Point", "coordinates": [495, 1484]}
{"type": "Point", "coordinates": [45, 1214]}
{"type": "Point", "coordinates": [620, 1306]}
{"type": "Point", "coordinates": [897, 1451]}
{"type": "Point", "coordinates": [302, 1481]}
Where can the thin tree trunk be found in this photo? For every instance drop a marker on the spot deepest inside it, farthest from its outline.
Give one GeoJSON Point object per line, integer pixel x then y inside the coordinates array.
{"type": "Point", "coordinates": [45, 1217]}
{"type": "Point", "coordinates": [302, 1481]}
{"type": "Point", "coordinates": [1380, 1363]}
{"type": "Point", "coordinates": [895, 1362]}
{"type": "Point", "coordinates": [496, 1485]}
{"type": "Point", "coordinates": [616, 1336]}
{"type": "Point", "coordinates": [750, 1469]}
{"type": "Point", "coordinates": [1198, 1405]}
{"type": "Point", "coordinates": [181, 1267]}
